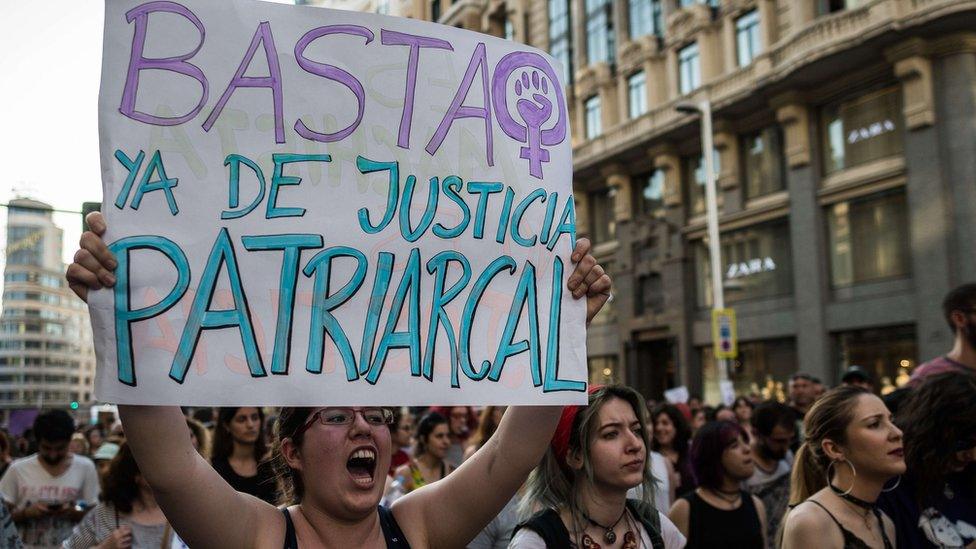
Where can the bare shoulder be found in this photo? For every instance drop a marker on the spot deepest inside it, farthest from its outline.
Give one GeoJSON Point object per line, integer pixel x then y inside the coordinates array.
{"type": "Point", "coordinates": [270, 524]}
{"type": "Point", "coordinates": [679, 507]}
{"type": "Point", "coordinates": [409, 514]}
{"type": "Point", "coordinates": [760, 508]}
{"type": "Point", "coordinates": [679, 515]}
{"type": "Point", "coordinates": [806, 525]}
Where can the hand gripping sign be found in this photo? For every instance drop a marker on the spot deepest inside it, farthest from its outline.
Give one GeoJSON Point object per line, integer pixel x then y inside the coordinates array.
{"type": "Point", "coordinates": [324, 207]}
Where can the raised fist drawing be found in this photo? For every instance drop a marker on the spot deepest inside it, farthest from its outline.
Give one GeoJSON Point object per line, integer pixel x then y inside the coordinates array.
{"type": "Point", "coordinates": [537, 110]}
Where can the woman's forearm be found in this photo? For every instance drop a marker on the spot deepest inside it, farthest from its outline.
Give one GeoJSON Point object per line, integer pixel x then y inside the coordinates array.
{"type": "Point", "coordinates": [525, 432]}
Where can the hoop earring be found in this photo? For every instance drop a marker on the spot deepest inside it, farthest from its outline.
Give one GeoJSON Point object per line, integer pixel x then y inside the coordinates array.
{"type": "Point", "coordinates": [853, 481]}
{"type": "Point", "coordinates": [897, 482]}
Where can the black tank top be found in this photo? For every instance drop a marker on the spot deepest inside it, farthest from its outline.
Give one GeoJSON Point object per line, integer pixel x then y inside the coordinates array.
{"type": "Point", "coordinates": [716, 528]}
{"type": "Point", "coordinates": [391, 530]}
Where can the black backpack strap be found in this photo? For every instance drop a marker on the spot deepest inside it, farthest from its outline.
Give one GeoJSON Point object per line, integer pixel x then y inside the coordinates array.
{"type": "Point", "coordinates": [649, 517]}
{"type": "Point", "coordinates": [550, 528]}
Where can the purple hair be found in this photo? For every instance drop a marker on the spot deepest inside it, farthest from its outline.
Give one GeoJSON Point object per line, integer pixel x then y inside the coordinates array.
{"type": "Point", "coordinates": [707, 447]}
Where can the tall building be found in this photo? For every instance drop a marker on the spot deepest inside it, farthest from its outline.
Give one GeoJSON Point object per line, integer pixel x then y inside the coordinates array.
{"type": "Point", "coordinates": [47, 357]}
{"type": "Point", "coordinates": [845, 152]}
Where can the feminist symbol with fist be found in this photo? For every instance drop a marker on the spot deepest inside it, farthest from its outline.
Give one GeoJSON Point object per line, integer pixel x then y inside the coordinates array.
{"type": "Point", "coordinates": [533, 106]}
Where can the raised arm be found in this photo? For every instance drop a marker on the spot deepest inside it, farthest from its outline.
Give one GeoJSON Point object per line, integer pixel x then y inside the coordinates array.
{"type": "Point", "coordinates": [481, 487]}
{"type": "Point", "coordinates": [202, 507]}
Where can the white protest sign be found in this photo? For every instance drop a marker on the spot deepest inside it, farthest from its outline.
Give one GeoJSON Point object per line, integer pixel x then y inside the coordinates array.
{"type": "Point", "coordinates": [317, 207]}
{"type": "Point", "coordinates": [676, 395]}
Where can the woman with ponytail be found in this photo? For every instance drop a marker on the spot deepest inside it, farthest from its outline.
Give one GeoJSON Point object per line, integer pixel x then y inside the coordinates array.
{"type": "Point", "coordinates": [578, 493]}
{"type": "Point", "coordinates": [852, 451]}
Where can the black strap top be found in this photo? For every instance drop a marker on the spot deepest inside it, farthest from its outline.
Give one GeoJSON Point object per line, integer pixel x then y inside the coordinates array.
{"type": "Point", "coordinates": [391, 530]}
{"type": "Point", "coordinates": [714, 528]}
{"type": "Point", "coordinates": [850, 540]}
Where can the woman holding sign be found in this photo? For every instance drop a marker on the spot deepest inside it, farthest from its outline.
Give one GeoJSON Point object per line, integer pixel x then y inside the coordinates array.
{"type": "Point", "coordinates": [336, 459]}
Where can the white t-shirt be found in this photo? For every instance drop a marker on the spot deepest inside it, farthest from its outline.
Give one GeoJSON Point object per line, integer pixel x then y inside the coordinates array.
{"type": "Point", "coordinates": [673, 538]}
{"type": "Point", "coordinates": [27, 482]}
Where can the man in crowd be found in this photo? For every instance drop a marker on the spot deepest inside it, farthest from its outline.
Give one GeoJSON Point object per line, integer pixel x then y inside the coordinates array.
{"type": "Point", "coordinates": [818, 388]}
{"type": "Point", "coordinates": [774, 425]}
{"type": "Point", "coordinates": [48, 492]}
{"type": "Point", "coordinates": [802, 393]}
{"type": "Point", "coordinates": [857, 376]}
{"type": "Point", "coordinates": [959, 308]}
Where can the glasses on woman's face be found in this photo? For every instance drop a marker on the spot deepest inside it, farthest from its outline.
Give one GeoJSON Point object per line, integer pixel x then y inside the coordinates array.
{"type": "Point", "coordinates": [345, 416]}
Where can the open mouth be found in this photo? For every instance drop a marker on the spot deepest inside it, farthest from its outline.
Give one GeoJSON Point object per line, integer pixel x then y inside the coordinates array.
{"type": "Point", "coordinates": [362, 466]}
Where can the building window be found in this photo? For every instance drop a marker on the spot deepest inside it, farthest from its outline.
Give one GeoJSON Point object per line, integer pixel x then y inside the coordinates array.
{"type": "Point", "coordinates": [695, 175]}
{"type": "Point", "coordinates": [603, 369]}
{"type": "Point", "coordinates": [602, 222]}
{"type": "Point", "coordinates": [862, 130]}
{"type": "Point", "coordinates": [868, 239]}
{"type": "Point", "coordinates": [758, 368]}
{"type": "Point", "coordinates": [825, 7]}
{"type": "Point", "coordinates": [25, 246]}
{"type": "Point", "coordinates": [599, 32]}
{"type": "Point", "coordinates": [650, 193]}
{"type": "Point", "coordinates": [560, 36]}
{"type": "Point", "coordinates": [650, 295]}
{"type": "Point", "coordinates": [747, 39]}
{"type": "Point", "coordinates": [756, 264]}
{"type": "Point", "coordinates": [435, 10]}
{"type": "Point", "coordinates": [645, 18]}
{"type": "Point", "coordinates": [888, 354]}
{"type": "Point", "coordinates": [637, 94]}
{"type": "Point", "coordinates": [763, 162]}
{"type": "Point", "coordinates": [689, 68]}
{"type": "Point", "coordinates": [592, 108]}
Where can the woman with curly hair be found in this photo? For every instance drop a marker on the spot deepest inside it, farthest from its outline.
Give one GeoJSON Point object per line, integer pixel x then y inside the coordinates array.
{"type": "Point", "coordinates": [934, 505]}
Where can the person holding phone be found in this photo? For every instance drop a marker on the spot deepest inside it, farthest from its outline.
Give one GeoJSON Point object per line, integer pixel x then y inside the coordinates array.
{"type": "Point", "coordinates": [48, 492]}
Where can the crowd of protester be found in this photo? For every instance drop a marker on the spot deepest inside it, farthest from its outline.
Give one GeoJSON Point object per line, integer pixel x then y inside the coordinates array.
{"type": "Point", "coordinates": [833, 468]}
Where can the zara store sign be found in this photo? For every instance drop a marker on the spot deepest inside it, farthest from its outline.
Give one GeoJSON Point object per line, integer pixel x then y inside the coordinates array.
{"type": "Point", "coordinates": [753, 266]}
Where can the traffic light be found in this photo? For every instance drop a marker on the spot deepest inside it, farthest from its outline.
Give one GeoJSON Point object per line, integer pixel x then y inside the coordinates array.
{"type": "Point", "coordinates": [74, 405]}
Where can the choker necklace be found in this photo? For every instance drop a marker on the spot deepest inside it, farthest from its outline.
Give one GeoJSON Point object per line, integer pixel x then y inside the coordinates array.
{"type": "Point", "coordinates": [858, 502]}
{"type": "Point", "coordinates": [863, 504]}
{"type": "Point", "coordinates": [608, 534]}
{"type": "Point", "coordinates": [728, 497]}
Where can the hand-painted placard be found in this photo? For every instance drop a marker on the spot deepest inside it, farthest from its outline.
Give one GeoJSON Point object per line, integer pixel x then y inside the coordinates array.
{"type": "Point", "coordinates": [316, 207]}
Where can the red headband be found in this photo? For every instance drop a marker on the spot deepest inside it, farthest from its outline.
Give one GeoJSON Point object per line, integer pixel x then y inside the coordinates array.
{"type": "Point", "coordinates": [560, 438]}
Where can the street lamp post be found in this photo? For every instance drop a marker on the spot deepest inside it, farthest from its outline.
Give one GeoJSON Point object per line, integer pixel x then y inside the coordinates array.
{"type": "Point", "coordinates": [704, 109]}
